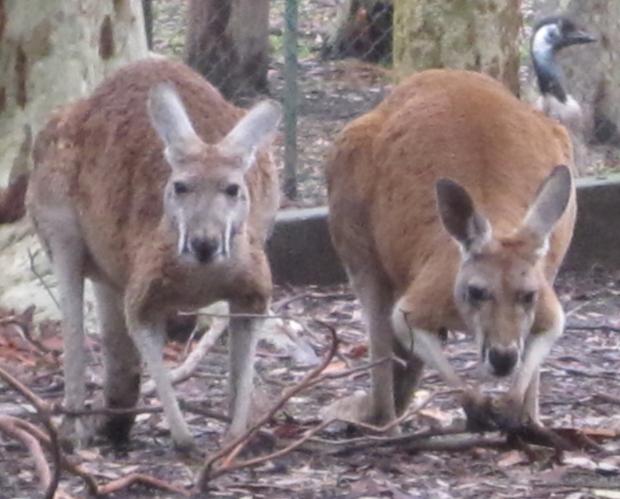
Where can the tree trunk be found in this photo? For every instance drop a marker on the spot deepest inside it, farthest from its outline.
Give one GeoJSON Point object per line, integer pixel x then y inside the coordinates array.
{"type": "Point", "coordinates": [147, 9]}
{"type": "Point", "coordinates": [51, 52]}
{"type": "Point", "coordinates": [479, 35]}
{"type": "Point", "coordinates": [363, 29]}
{"type": "Point", "coordinates": [228, 42]}
{"type": "Point", "coordinates": [592, 72]}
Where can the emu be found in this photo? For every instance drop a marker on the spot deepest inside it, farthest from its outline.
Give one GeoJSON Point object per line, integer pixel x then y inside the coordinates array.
{"type": "Point", "coordinates": [163, 207]}
{"type": "Point", "coordinates": [549, 36]}
{"type": "Point", "coordinates": [452, 205]}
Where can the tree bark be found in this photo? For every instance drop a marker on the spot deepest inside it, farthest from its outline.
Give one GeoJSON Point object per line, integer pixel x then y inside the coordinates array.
{"type": "Point", "coordinates": [363, 29]}
{"type": "Point", "coordinates": [51, 52]}
{"type": "Point", "coordinates": [228, 42]}
{"type": "Point", "coordinates": [147, 9]}
{"type": "Point", "coordinates": [479, 36]}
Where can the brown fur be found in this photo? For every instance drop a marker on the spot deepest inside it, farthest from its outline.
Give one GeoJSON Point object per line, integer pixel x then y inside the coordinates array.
{"type": "Point", "coordinates": [381, 178]}
{"type": "Point", "coordinates": [100, 164]}
{"type": "Point", "coordinates": [108, 140]}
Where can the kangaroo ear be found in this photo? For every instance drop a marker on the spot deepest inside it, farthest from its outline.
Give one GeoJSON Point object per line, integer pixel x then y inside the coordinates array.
{"type": "Point", "coordinates": [460, 218]}
{"type": "Point", "coordinates": [255, 129]}
{"type": "Point", "coordinates": [171, 122]}
{"type": "Point", "coordinates": [550, 204]}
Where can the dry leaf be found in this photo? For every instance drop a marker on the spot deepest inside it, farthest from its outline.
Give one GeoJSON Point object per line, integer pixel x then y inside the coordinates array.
{"type": "Point", "coordinates": [511, 458]}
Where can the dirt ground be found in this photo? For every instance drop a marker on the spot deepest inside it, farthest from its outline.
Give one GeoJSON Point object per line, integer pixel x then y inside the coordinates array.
{"type": "Point", "coordinates": [580, 389]}
{"type": "Point", "coordinates": [580, 384]}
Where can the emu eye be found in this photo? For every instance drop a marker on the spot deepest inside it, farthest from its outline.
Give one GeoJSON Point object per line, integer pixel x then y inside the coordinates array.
{"type": "Point", "coordinates": [180, 188]}
{"type": "Point", "coordinates": [232, 190]}
{"type": "Point", "coordinates": [476, 294]}
{"type": "Point", "coordinates": [527, 298]}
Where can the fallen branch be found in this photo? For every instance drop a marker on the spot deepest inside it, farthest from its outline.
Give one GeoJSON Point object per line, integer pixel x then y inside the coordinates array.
{"type": "Point", "coordinates": [134, 478]}
{"type": "Point", "coordinates": [152, 409]}
{"type": "Point", "coordinates": [610, 399]}
{"type": "Point", "coordinates": [9, 426]}
{"type": "Point", "coordinates": [375, 441]}
{"type": "Point", "coordinates": [64, 462]}
{"type": "Point", "coordinates": [32, 437]}
{"type": "Point", "coordinates": [456, 443]}
{"type": "Point", "coordinates": [452, 438]}
{"type": "Point", "coordinates": [600, 327]}
{"type": "Point", "coordinates": [22, 323]}
{"type": "Point", "coordinates": [189, 365]}
{"type": "Point", "coordinates": [229, 466]}
{"type": "Point", "coordinates": [237, 444]}
{"type": "Point", "coordinates": [43, 411]}
{"type": "Point", "coordinates": [539, 435]}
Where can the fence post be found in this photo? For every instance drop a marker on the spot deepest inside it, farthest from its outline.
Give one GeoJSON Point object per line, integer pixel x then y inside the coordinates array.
{"type": "Point", "coordinates": [290, 99]}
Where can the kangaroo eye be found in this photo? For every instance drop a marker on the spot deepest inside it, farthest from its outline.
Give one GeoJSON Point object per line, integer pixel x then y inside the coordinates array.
{"type": "Point", "coordinates": [180, 188]}
{"type": "Point", "coordinates": [232, 190]}
{"type": "Point", "coordinates": [527, 298]}
{"type": "Point", "coordinates": [476, 294]}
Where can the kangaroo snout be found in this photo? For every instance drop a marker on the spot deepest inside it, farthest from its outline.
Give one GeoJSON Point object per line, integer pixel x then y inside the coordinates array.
{"type": "Point", "coordinates": [503, 360]}
{"type": "Point", "coordinates": [204, 249]}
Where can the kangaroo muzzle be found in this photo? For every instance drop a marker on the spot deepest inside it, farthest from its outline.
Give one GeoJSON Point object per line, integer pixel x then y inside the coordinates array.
{"type": "Point", "coordinates": [204, 249]}
{"type": "Point", "coordinates": [502, 360]}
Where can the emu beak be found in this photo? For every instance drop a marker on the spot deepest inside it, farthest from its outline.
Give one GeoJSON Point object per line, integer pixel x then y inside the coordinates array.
{"type": "Point", "coordinates": [579, 38]}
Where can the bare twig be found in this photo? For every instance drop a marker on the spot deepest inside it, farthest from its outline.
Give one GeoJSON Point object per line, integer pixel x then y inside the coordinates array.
{"type": "Point", "coordinates": [241, 315]}
{"type": "Point", "coordinates": [349, 372]}
{"type": "Point", "coordinates": [33, 438]}
{"type": "Point", "coordinates": [598, 327]}
{"type": "Point", "coordinates": [22, 323]}
{"type": "Point", "coordinates": [33, 269]}
{"type": "Point", "coordinates": [8, 425]}
{"type": "Point", "coordinates": [405, 415]}
{"type": "Point", "coordinates": [64, 462]}
{"type": "Point", "coordinates": [375, 441]}
{"type": "Point", "coordinates": [456, 443]}
{"type": "Point", "coordinates": [536, 434]}
{"type": "Point", "coordinates": [283, 303]}
{"type": "Point", "coordinates": [605, 397]}
{"type": "Point", "coordinates": [190, 340]}
{"type": "Point", "coordinates": [229, 465]}
{"type": "Point", "coordinates": [154, 409]}
{"type": "Point", "coordinates": [40, 405]}
{"type": "Point", "coordinates": [207, 469]}
{"type": "Point", "coordinates": [189, 365]}
{"type": "Point", "coordinates": [128, 480]}
{"type": "Point", "coordinates": [43, 410]}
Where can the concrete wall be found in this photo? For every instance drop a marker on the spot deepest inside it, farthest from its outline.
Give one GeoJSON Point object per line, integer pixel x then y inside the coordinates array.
{"type": "Point", "coordinates": [301, 252]}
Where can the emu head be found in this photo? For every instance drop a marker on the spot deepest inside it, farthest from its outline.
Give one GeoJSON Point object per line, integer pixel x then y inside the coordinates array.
{"type": "Point", "coordinates": [551, 35]}
{"type": "Point", "coordinates": [499, 280]}
{"type": "Point", "coordinates": [206, 198]}
{"type": "Point", "coordinates": [555, 33]}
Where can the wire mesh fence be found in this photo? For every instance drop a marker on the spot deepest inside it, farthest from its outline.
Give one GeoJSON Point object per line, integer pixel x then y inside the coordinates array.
{"type": "Point", "coordinates": [325, 60]}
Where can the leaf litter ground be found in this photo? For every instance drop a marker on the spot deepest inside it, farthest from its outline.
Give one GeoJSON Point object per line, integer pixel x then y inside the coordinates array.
{"type": "Point", "coordinates": [580, 384]}
{"type": "Point", "coordinates": [580, 389]}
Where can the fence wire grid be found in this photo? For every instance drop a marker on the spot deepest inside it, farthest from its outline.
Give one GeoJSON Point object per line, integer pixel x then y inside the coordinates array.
{"type": "Point", "coordinates": [327, 61]}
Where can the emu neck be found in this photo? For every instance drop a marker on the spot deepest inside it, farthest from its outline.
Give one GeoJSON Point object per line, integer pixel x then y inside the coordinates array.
{"type": "Point", "coordinates": [548, 73]}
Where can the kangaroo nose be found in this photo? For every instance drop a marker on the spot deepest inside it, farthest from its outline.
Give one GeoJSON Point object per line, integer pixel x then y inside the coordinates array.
{"type": "Point", "coordinates": [204, 249]}
{"type": "Point", "coordinates": [503, 360]}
